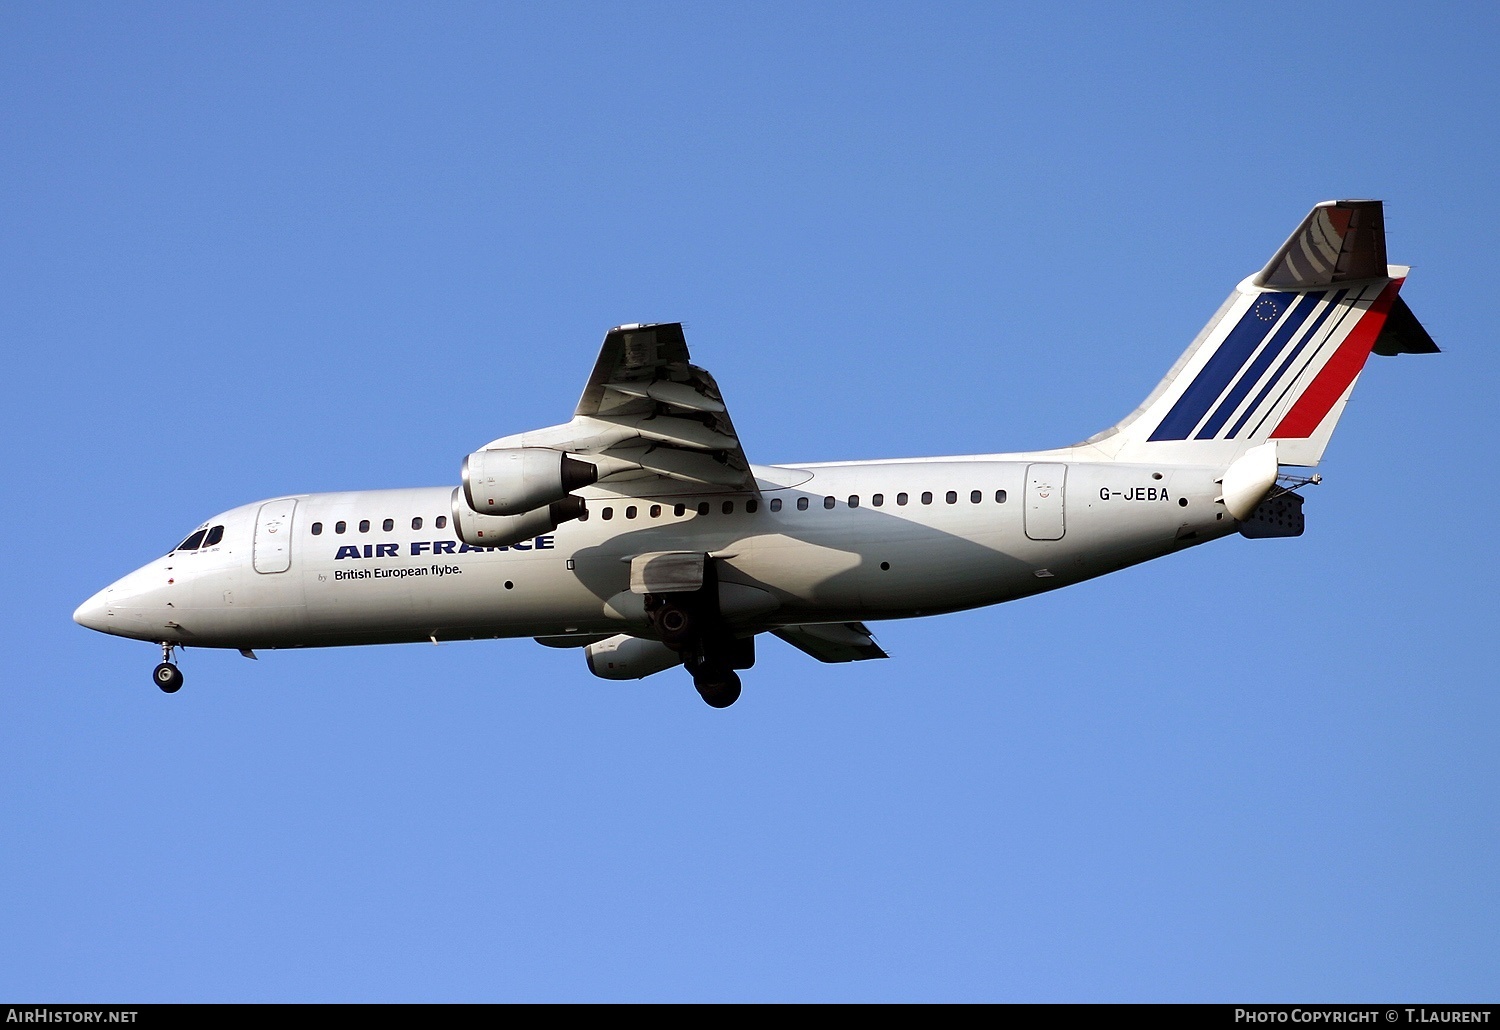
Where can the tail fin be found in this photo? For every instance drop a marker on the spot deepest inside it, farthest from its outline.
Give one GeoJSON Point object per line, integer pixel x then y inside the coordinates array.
{"type": "Point", "coordinates": [1280, 358]}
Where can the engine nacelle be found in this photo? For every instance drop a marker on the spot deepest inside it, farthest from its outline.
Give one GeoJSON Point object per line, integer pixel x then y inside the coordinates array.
{"type": "Point", "coordinates": [625, 657]}
{"type": "Point", "coordinates": [513, 480]}
{"type": "Point", "coordinates": [478, 530]}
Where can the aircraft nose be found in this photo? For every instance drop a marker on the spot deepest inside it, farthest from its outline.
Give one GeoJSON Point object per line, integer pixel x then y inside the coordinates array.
{"type": "Point", "coordinates": [94, 613]}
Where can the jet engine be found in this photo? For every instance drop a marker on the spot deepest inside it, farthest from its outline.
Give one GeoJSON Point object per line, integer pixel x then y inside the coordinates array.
{"type": "Point", "coordinates": [625, 657]}
{"type": "Point", "coordinates": [478, 530]}
{"type": "Point", "coordinates": [513, 480]}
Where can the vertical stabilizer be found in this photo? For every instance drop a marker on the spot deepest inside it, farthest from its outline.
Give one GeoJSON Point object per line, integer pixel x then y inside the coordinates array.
{"type": "Point", "coordinates": [1279, 360]}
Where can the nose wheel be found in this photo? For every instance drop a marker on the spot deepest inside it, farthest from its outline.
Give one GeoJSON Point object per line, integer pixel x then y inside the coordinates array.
{"type": "Point", "coordinates": [166, 675]}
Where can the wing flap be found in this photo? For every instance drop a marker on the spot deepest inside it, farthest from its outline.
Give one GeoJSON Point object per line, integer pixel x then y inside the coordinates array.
{"type": "Point", "coordinates": [677, 395]}
{"type": "Point", "coordinates": [687, 466]}
{"type": "Point", "coordinates": [676, 432]}
{"type": "Point", "coordinates": [833, 641]}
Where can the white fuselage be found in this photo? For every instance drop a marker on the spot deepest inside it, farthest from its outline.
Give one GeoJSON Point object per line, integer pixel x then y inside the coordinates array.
{"type": "Point", "coordinates": [897, 539]}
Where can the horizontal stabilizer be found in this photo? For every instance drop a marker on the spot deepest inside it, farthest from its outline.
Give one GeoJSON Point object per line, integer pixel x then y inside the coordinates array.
{"type": "Point", "coordinates": [833, 641]}
{"type": "Point", "coordinates": [1403, 334]}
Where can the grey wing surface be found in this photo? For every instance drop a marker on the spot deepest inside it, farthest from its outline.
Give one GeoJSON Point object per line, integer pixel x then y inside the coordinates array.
{"type": "Point", "coordinates": [649, 412]}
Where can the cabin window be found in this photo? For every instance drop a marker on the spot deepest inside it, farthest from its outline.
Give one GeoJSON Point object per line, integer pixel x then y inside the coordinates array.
{"type": "Point", "coordinates": [854, 500]}
{"type": "Point", "coordinates": [999, 496]}
{"type": "Point", "coordinates": [702, 507]}
{"type": "Point", "coordinates": [802, 504]}
{"type": "Point", "coordinates": [630, 512]}
{"type": "Point", "coordinates": [317, 529]}
{"type": "Point", "coordinates": [728, 507]}
{"type": "Point", "coordinates": [901, 499]}
{"type": "Point", "coordinates": [442, 522]}
{"type": "Point", "coordinates": [193, 542]}
{"type": "Point", "coordinates": [388, 525]}
{"type": "Point", "coordinates": [752, 506]}
{"type": "Point", "coordinates": [214, 536]}
{"type": "Point", "coordinates": [926, 496]}
{"type": "Point", "coordinates": [877, 499]}
{"type": "Point", "coordinates": [607, 514]}
{"type": "Point", "coordinates": [829, 502]}
{"type": "Point", "coordinates": [416, 523]}
{"type": "Point", "coordinates": [776, 504]}
{"type": "Point", "coordinates": [340, 526]}
{"type": "Point", "coordinates": [952, 497]}
{"type": "Point", "coordinates": [364, 525]}
{"type": "Point", "coordinates": [656, 511]}
{"type": "Point", "coordinates": [679, 510]}
{"type": "Point", "coordinates": [975, 496]}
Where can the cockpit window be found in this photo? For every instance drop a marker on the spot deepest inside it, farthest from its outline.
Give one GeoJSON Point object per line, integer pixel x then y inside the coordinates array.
{"type": "Point", "coordinates": [214, 536]}
{"type": "Point", "coordinates": [193, 542]}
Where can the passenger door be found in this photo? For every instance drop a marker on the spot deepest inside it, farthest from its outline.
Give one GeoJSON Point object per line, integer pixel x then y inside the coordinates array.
{"type": "Point", "coordinates": [1044, 501]}
{"type": "Point", "coordinates": [272, 549]}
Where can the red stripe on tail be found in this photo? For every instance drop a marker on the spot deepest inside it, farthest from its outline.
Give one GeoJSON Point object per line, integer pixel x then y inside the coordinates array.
{"type": "Point", "coordinates": [1334, 378]}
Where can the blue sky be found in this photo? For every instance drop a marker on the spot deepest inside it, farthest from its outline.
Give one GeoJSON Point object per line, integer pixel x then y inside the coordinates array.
{"type": "Point", "coordinates": [263, 249]}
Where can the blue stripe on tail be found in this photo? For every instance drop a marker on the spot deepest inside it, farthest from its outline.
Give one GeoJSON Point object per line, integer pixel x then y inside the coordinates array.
{"type": "Point", "coordinates": [1289, 328]}
{"type": "Point", "coordinates": [1231, 356]}
{"type": "Point", "coordinates": [1271, 383]}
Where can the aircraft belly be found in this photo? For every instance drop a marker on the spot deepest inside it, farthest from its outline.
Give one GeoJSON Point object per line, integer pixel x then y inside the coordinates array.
{"type": "Point", "coordinates": [878, 567]}
{"type": "Point", "coordinates": [799, 571]}
{"type": "Point", "coordinates": [525, 597]}
{"type": "Point", "coordinates": [265, 625]}
{"type": "Point", "coordinates": [477, 593]}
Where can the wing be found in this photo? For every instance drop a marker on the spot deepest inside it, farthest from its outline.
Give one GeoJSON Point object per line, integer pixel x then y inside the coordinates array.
{"type": "Point", "coordinates": [833, 641]}
{"type": "Point", "coordinates": [649, 413]}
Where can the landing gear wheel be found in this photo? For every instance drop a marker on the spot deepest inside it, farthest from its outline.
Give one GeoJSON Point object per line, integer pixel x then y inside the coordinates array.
{"type": "Point", "coordinates": [168, 677]}
{"type": "Point", "coordinates": [673, 625]}
{"type": "Point", "coordinates": [719, 689]}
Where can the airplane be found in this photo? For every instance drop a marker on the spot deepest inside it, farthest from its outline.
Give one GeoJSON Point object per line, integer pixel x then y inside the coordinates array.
{"type": "Point", "coordinates": [640, 533]}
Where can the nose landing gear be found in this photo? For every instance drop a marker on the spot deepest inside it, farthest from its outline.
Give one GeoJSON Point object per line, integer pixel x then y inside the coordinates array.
{"type": "Point", "coordinates": [166, 675]}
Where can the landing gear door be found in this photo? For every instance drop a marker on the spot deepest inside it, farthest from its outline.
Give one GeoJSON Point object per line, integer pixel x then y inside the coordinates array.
{"type": "Point", "coordinates": [1044, 501]}
{"type": "Point", "coordinates": [272, 551]}
{"type": "Point", "coordinates": [667, 572]}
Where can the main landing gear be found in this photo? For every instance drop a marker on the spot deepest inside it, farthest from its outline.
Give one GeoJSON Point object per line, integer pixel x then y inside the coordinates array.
{"type": "Point", "coordinates": [167, 675]}
{"type": "Point", "coordinates": [690, 624]}
{"type": "Point", "coordinates": [717, 684]}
